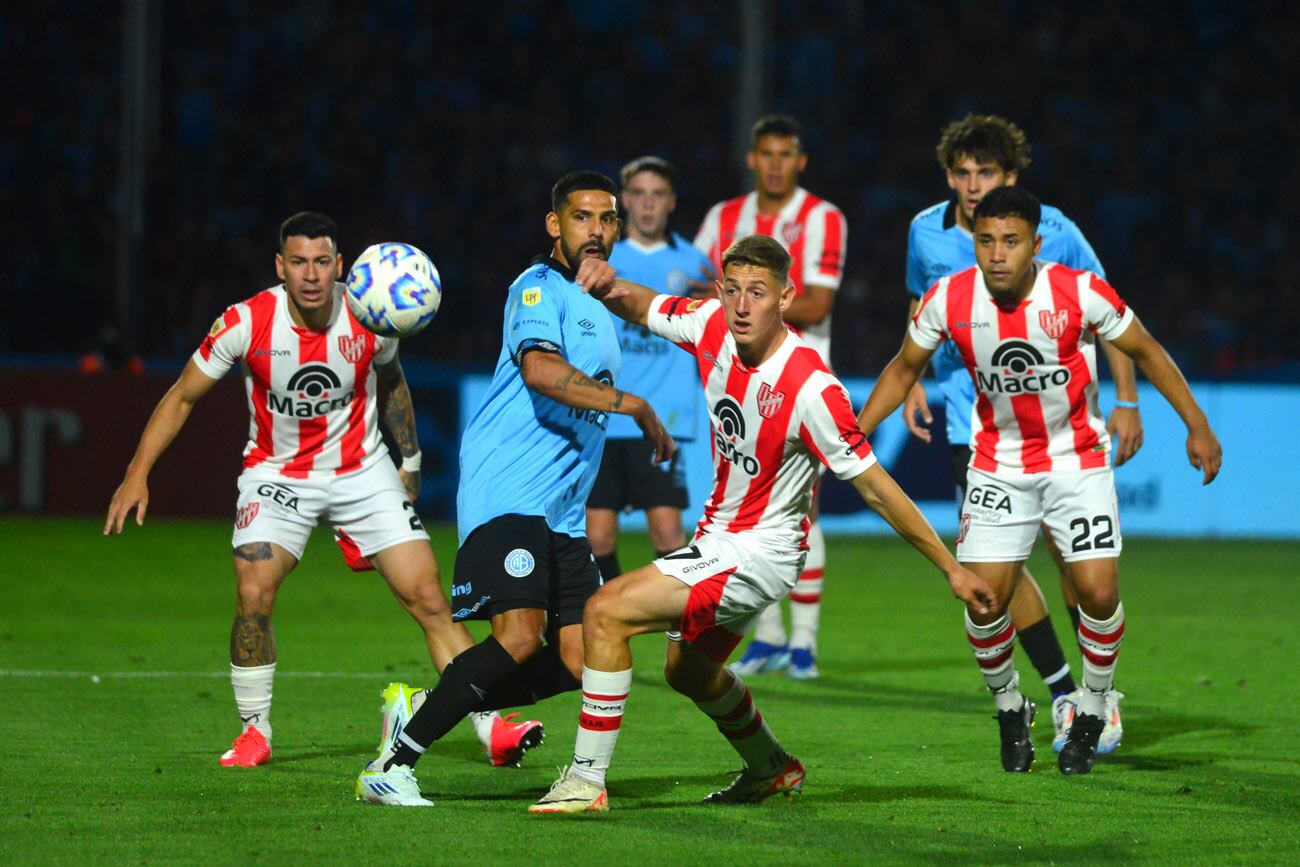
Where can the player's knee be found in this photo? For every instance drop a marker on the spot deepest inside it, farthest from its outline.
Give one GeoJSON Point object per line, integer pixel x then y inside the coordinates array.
{"type": "Point", "coordinates": [520, 638]}
{"type": "Point", "coordinates": [600, 616]}
{"type": "Point", "coordinates": [426, 603]}
{"type": "Point", "coordinates": [254, 596]}
{"type": "Point", "coordinates": [696, 682]}
{"type": "Point", "coordinates": [1099, 601]}
{"type": "Point", "coordinates": [602, 540]}
{"type": "Point", "coordinates": [668, 538]}
{"type": "Point", "coordinates": [680, 678]}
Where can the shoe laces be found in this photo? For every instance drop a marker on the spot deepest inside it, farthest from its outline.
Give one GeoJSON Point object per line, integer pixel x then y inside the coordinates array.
{"type": "Point", "coordinates": [245, 737]}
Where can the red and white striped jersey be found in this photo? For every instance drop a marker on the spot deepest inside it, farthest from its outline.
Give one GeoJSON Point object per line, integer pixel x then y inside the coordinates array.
{"type": "Point", "coordinates": [810, 228]}
{"type": "Point", "coordinates": [1035, 367]}
{"type": "Point", "coordinates": [311, 394]}
{"type": "Point", "coordinates": [772, 424]}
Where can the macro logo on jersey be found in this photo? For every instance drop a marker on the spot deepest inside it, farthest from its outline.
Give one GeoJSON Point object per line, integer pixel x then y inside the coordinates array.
{"type": "Point", "coordinates": [594, 416]}
{"type": "Point", "coordinates": [769, 400]}
{"type": "Point", "coordinates": [310, 393]}
{"type": "Point", "coordinates": [352, 347]}
{"type": "Point", "coordinates": [728, 432]}
{"type": "Point", "coordinates": [1021, 370]}
{"type": "Point", "coordinates": [1054, 322]}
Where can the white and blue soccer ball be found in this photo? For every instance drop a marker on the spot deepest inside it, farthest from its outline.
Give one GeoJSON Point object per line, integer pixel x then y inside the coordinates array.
{"type": "Point", "coordinates": [393, 289]}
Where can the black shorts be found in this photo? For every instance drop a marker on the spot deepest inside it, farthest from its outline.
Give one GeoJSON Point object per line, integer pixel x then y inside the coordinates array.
{"type": "Point", "coordinates": [960, 463]}
{"type": "Point", "coordinates": [517, 561]}
{"type": "Point", "coordinates": [628, 480]}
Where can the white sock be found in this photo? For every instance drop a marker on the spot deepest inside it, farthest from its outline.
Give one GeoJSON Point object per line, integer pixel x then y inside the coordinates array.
{"type": "Point", "coordinates": [483, 722]}
{"type": "Point", "coordinates": [252, 687]}
{"type": "Point", "coordinates": [1099, 641]}
{"type": "Point", "coordinates": [742, 725]}
{"type": "Point", "coordinates": [770, 626]}
{"type": "Point", "coordinates": [604, 695]}
{"type": "Point", "coordinates": [994, 645]}
{"type": "Point", "coordinates": [806, 597]}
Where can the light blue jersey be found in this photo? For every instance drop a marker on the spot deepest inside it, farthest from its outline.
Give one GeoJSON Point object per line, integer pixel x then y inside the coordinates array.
{"type": "Point", "coordinates": [652, 367]}
{"type": "Point", "coordinates": [936, 247]}
{"type": "Point", "coordinates": [525, 454]}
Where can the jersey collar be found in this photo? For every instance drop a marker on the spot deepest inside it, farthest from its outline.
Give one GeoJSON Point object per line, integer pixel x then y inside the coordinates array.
{"type": "Point", "coordinates": [555, 265]}
{"type": "Point", "coordinates": [647, 249]}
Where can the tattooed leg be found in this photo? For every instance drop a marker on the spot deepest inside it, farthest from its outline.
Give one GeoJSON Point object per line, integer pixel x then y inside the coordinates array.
{"type": "Point", "coordinates": [260, 567]}
{"type": "Point", "coordinates": [254, 551]}
{"type": "Point", "coordinates": [252, 640]}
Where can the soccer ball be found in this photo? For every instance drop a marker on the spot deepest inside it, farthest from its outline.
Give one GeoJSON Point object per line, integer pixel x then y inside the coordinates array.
{"type": "Point", "coordinates": [393, 289]}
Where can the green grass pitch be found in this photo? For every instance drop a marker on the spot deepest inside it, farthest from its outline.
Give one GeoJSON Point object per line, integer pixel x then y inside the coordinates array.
{"type": "Point", "coordinates": [897, 735]}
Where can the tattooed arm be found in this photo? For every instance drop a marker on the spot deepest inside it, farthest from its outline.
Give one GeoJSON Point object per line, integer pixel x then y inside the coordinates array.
{"type": "Point", "coordinates": [548, 374]}
{"type": "Point", "coordinates": [398, 415]}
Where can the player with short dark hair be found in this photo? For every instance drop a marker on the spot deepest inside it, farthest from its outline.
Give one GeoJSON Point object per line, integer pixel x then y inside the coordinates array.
{"type": "Point", "coordinates": [653, 255]}
{"type": "Point", "coordinates": [318, 384]}
{"type": "Point", "coordinates": [777, 415]}
{"type": "Point", "coordinates": [814, 232]}
{"type": "Point", "coordinates": [1026, 331]}
{"type": "Point", "coordinates": [527, 462]}
{"type": "Point", "coordinates": [979, 153]}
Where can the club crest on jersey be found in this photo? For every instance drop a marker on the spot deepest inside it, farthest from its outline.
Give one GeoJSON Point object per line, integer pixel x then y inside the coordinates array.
{"type": "Point", "coordinates": [769, 400]}
{"type": "Point", "coordinates": [1019, 368]}
{"type": "Point", "coordinates": [353, 347]}
{"type": "Point", "coordinates": [1054, 322]}
{"type": "Point", "coordinates": [790, 233]}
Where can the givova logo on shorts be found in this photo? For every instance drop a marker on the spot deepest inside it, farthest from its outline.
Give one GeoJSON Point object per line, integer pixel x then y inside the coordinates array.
{"type": "Point", "coordinates": [309, 393]}
{"type": "Point", "coordinates": [519, 563]}
{"type": "Point", "coordinates": [1020, 369]}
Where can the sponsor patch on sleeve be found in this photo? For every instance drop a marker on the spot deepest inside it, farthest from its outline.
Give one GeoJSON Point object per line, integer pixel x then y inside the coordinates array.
{"type": "Point", "coordinates": [226, 320]}
{"type": "Point", "coordinates": [532, 297]}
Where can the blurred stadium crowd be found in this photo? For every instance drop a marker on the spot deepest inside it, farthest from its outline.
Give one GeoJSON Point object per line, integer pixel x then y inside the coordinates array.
{"type": "Point", "coordinates": [1167, 131]}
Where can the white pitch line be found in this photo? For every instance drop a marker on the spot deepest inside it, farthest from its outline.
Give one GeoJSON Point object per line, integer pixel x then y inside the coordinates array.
{"type": "Point", "coordinates": [168, 675]}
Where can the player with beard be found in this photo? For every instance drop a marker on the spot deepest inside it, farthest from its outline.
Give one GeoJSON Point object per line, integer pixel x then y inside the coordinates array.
{"type": "Point", "coordinates": [528, 459]}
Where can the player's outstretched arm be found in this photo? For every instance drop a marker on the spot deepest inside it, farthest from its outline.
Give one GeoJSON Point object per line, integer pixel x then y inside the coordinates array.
{"type": "Point", "coordinates": [398, 414]}
{"type": "Point", "coordinates": [1203, 449]}
{"type": "Point", "coordinates": [887, 499]}
{"type": "Point", "coordinates": [548, 374]}
{"type": "Point", "coordinates": [917, 402]}
{"type": "Point", "coordinates": [1125, 424]}
{"type": "Point", "coordinates": [895, 381]}
{"type": "Point", "coordinates": [167, 420]}
{"type": "Point", "coordinates": [625, 299]}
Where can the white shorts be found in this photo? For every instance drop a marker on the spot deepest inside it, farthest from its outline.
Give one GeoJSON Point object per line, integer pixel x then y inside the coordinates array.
{"type": "Point", "coordinates": [1001, 515]}
{"type": "Point", "coordinates": [732, 579]}
{"type": "Point", "coordinates": [369, 504]}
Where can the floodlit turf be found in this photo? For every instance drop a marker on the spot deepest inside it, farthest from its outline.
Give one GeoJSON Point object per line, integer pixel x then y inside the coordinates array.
{"type": "Point", "coordinates": [897, 736]}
